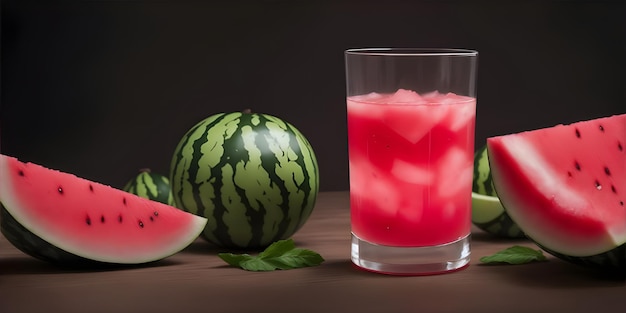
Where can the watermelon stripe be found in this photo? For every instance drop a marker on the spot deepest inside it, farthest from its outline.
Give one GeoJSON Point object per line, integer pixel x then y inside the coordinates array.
{"type": "Point", "coordinates": [151, 186]}
{"type": "Point", "coordinates": [197, 181]}
{"type": "Point", "coordinates": [179, 176]}
{"type": "Point", "coordinates": [270, 164]}
{"type": "Point", "coordinates": [238, 156]}
{"type": "Point", "coordinates": [502, 226]}
{"type": "Point", "coordinates": [483, 181]}
{"type": "Point", "coordinates": [309, 163]}
{"type": "Point", "coordinates": [33, 245]}
{"type": "Point", "coordinates": [612, 262]}
{"type": "Point", "coordinates": [146, 182]}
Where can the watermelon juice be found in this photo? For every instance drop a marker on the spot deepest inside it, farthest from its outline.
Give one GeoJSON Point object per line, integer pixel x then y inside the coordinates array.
{"type": "Point", "coordinates": [411, 167]}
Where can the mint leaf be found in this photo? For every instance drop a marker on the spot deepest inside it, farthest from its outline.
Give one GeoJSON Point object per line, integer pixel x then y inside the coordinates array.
{"type": "Point", "coordinates": [296, 257]}
{"type": "Point", "coordinates": [515, 255]}
{"type": "Point", "coordinates": [257, 265]}
{"type": "Point", "coordinates": [281, 255]}
{"type": "Point", "coordinates": [277, 248]}
{"type": "Point", "coordinates": [234, 259]}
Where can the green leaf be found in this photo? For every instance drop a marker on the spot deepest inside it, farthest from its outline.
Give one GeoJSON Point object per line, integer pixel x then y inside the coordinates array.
{"type": "Point", "coordinates": [515, 255]}
{"type": "Point", "coordinates": [281, 255]}
{"type": "Point", "coordinates": [278, 248]}
{"type": "Point", "coordinates": [234, 259]}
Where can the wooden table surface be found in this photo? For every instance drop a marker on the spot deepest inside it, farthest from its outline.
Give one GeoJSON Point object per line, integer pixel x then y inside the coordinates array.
{"type": "Point", "coordinates": [196, 280]}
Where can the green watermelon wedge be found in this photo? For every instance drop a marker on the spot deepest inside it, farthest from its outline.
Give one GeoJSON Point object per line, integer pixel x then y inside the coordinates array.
{"type": "Point", "coordinates": [565, 187]}
{"type": "Point", "coordinates": [61, 218]}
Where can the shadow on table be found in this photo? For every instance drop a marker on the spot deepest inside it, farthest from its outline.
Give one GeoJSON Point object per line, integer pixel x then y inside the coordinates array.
{"type": "Point", "coordinates": [28, 265]}
{"type": "Point", "coordinates": [554, 274]}
{"type": "Point", "coordinates": [481, 236]}
{"type": "Point", "coordinates": [201, 246]}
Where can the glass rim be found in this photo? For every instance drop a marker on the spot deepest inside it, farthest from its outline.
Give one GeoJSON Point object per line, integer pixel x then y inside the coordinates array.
{"type": "Point", "coordinates": [411, 52]}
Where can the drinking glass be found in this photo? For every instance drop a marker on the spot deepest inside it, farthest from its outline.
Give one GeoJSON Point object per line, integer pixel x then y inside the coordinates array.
{"type": "Point", "coordinates": [411, 119]}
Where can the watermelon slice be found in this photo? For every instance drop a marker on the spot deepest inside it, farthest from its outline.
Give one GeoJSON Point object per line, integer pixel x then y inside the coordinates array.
{"type": "Point", "coordinates": [61, 218]}
{"type": "Point", "coordinates": [565, 187]}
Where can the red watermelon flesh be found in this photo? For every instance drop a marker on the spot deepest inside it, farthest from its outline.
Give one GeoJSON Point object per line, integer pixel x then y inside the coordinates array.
{"type": "Point", "coordinates": [91, 220]}
{"type": "Point", "coordinates": [565, 186]}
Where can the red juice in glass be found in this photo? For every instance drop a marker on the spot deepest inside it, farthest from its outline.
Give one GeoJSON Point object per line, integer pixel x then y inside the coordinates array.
{"type": "Point", "coordinates": [411, 167]}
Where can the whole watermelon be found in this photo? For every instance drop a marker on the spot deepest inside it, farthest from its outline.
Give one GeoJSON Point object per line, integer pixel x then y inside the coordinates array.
{"type": "Point", "coordinates": [150, 185]}
{"type": "Point", "coordinates": [254, 176]}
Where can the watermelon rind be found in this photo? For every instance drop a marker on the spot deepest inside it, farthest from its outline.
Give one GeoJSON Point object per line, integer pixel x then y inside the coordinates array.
{"type": "Point", "coordinates": [612, 261]}
{"type": "Point", "coordinates": [254, 176]}
{"type": "Point", "coordinates": [485, 208]}
{"type": "Point", "coordinates": [31, 244]}
{"type": "Point", "coordinates": [489, 215]}
{"type": "Point", "coordinates": [487, 211]}
{"type": "Point", "coordinates": [482, 182]}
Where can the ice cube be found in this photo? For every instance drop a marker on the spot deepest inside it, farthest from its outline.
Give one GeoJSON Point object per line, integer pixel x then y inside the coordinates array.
{"type": "Point", "coordinates": [412, 208]}
{"type": "Point", "coordinates": [386, 197]}
{"type": "Point", "coordinates": [449, 210]}
{"type": "Point", "coordinates": [454, 172]}
{"type": "Point", "coordinates": [366, 97]}
{"type": "Point", "coordinates": [403, 96]}
{"type": "Point", "coordinates": [414, 122]}
{"type": "Point", "coordinates": [366, 105]}
{"type": "Point", "coordinates": [411, 173]}
{"type": "Point", "coordinates": [429, 95]}
{"type": "Point", "coordinates": [462, 114]}
{"type": "Point", "coordinates": [370, 184]}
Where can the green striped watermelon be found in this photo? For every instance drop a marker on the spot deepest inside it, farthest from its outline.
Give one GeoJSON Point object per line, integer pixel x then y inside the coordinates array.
{"type": "Point", "coordinates": [151, 186]}
{"type": "Point", "coordinates": [254, 176]}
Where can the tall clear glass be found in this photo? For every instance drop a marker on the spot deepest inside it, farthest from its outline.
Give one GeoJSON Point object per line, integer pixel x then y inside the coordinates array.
{"type": "Point", "coordinates": [411, 117]}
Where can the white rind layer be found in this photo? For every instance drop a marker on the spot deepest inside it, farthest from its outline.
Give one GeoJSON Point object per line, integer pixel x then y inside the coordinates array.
{"type": "Point", "coordinates": [532, 220]}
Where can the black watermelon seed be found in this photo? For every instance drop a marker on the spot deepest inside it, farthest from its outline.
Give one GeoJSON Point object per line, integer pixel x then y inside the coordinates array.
{"type": "Point", "coordinates": [577, 165]}
{"type": "Point", "coordinates": [598, 185]}
{"type": "Point", "coordinates": [119, 218]}
{"type": "Point", "coordinates": [90, 188]}
{"type": "Point", "coordinates": [21, 173]}
{"type": "Point", "coordinates": [88, 220]}
{"type": "Point", "coordinates": [619, 146]}
{"type": "Point", "coordinates": [621, 203]}
{"type": "Point", "coordinates": [613, 189]}
{"type": "Point", "coordinates": [569, 174]}
{"type": "Point", "coordinates": [601, 128]}
{"type": "Point", "coordinates": [577, 133]}
{"type": "Point", "coordinates": [607, 171]}
{"type": "Point", "coordinates": [141, 224]}
{"type": "Point", "coordinates": [151, 219]}
{"type": "Point", "coordinates": [124, 201]}
{"type": "Point", "coordinates": [60, 189]}
{"type": "Point", "coordinates": [156, 213]}
{"type": "Point", "coordinates": [102, 219]}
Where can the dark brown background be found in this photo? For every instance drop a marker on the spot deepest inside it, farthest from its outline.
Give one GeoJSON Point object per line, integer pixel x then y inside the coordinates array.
{"type": "Point", "coordinates": [103, 88]}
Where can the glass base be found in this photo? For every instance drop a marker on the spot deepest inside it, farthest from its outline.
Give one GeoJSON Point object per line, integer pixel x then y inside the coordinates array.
{"type": "Point", "coordinates": [411, 260]}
